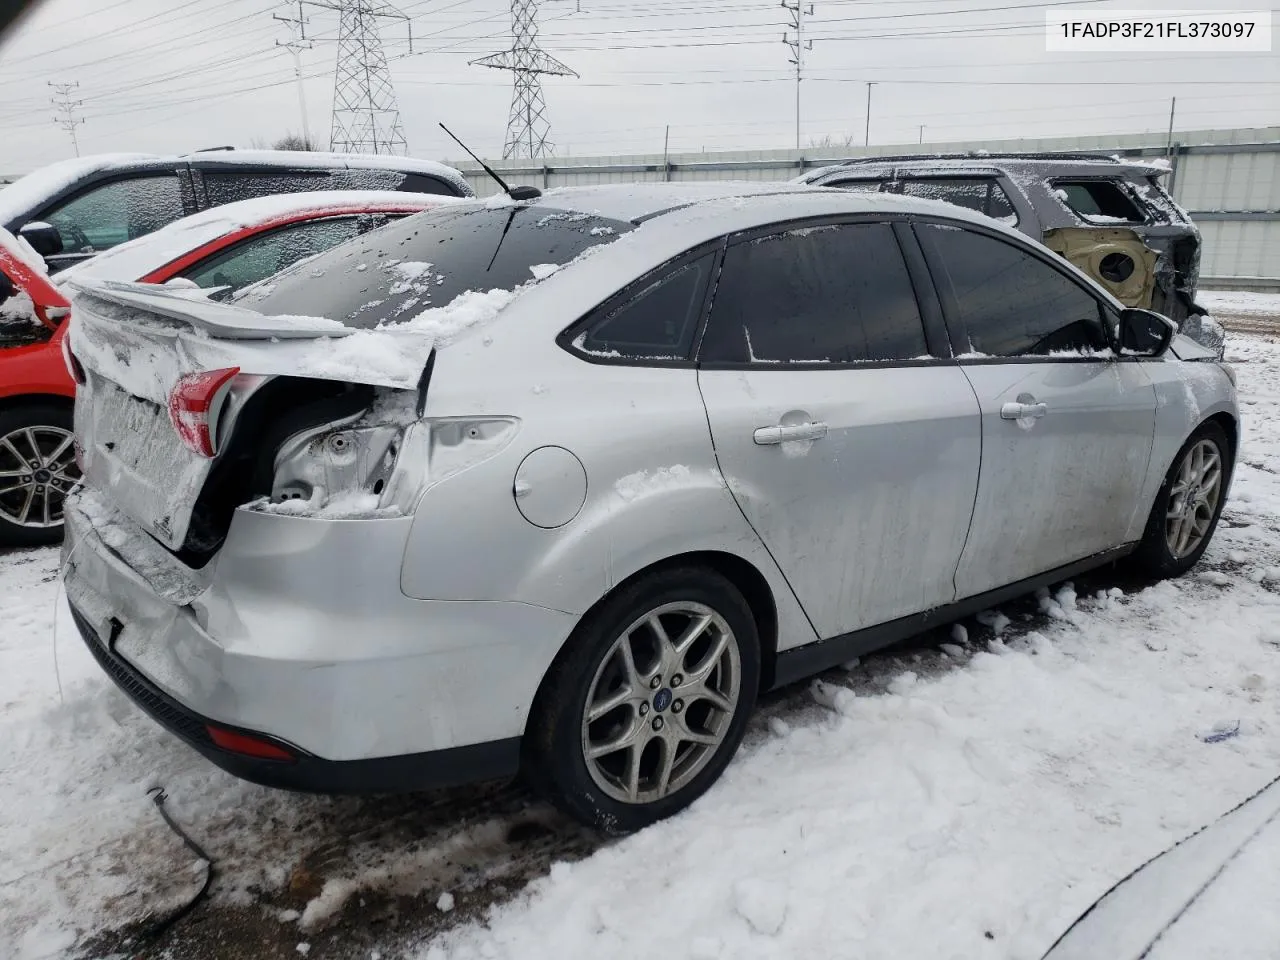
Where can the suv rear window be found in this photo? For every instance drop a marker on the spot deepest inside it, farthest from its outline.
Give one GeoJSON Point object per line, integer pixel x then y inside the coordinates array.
{"type": "Point", "coordinates": [1098, 201]}
{"type": "Point", "coordinates": [428, 259]}
{"type": "Point", "coordinates": [980, 194]}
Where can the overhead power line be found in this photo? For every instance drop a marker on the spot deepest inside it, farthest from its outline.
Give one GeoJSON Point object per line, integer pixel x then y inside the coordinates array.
{"type": "Point", "coordinates": [66, 108]}
{"type": "Point", "coordinates": [527, 126]}
{"type": "Point", "coordinates": [798, 45]}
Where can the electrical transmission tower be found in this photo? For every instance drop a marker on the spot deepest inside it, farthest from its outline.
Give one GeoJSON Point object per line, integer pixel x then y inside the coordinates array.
{"type": "Point", "coordinates": [798, 47]}
{"type": "Point", "coordinates": [296, 43]}
{"type": "Point", "coordinates": [66, 108]}
{"type": "Point", "coordinates": [528, 127]}
{"type": "Point", "coordinates": [366, 118]}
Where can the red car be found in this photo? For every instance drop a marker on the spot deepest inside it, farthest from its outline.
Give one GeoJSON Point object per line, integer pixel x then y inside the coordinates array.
{"type": "Point", "coordinates": [222, 249]}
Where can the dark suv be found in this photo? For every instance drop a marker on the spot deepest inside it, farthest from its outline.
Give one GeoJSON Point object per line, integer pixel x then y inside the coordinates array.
{"type": "Point", "coordinates": [94, 203]}
{"type": "Point", "coordinates": [1112, 219]}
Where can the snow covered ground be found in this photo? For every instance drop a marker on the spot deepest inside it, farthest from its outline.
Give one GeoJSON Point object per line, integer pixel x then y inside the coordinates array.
{"type": "Point", "coordinates": [1241, 311]}
{"type": "Point", "coordinates": [967, 802]}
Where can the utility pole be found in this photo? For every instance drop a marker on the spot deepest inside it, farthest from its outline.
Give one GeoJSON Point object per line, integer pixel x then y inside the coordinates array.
{"type": "Point", "coordinates": [921, 140]}
{"type": "Point", "coordinates": [798, 47]}
{"type": "Point", "coordinates": [527, 125]}
{"type": "Point", "coordinates": [66, 108]}
{"type": "Point", "coordinates": [296, 43]}
{"type": "Point", "coordinates": [366, 118]}
{"type": "Point", "coordinates": [866, 137]}
{"type": "Point", "coordinates": [1168, 144]}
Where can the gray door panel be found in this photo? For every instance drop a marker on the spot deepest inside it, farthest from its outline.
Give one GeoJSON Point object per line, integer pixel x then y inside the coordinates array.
{"type": "Point", "coordinates": [860, 482]}
{"type": "Point", "coordinates": [1065, 447]}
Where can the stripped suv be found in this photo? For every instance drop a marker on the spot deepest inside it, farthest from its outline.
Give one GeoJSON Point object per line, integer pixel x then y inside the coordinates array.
{"type": "Point", "coordinates": [561, 486]}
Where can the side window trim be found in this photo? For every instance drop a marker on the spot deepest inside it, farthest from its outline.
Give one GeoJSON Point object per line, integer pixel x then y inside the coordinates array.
{"type": "Point", "coordinates": [894, 221]}
{"type": "Point", "coordinates": [936, 334]}
{"type": "Point", "coordinates": [601, 310]}
{"type": "Point", "coordinates": [955, 325]}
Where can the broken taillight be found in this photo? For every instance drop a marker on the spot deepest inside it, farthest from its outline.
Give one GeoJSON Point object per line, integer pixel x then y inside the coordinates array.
{"type": "Point", "coordinates": [193, 407]}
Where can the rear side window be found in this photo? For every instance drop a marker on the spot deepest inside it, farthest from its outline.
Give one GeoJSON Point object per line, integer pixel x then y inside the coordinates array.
{"type": "Point", "coordinates": [858, 186]}
{"type": "Point", "coordinates": [257, 258]}
{"type": "Point", "coordinates": [421, 183]}
{"type": "Point", "coordinates": [232, 185]}
{"type": "Point", "coordinates": [1008, 302]}
{"type": "Point", "coordinates": [658, 322]}
{"type": "Point", "coordinates": [984, 195]}
{"type": "Point", "coordinates": [1098, 201]}
{"type": "Point", "coordinates": [818, 294]}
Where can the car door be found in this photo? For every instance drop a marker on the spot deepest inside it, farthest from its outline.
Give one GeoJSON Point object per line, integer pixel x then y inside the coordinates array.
{"type": "Point", "coordinates": [851, 448]}
{"type": "Point", "coordinates": [106, 214]}
{"type": "Point", "coordinates": [1066, 424]}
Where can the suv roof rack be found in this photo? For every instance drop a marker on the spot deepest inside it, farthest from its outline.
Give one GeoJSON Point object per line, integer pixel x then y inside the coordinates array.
{"type": "Point", "coordinates": [973, 155]}
{"type": "Point", "coordinates": [212, 149]}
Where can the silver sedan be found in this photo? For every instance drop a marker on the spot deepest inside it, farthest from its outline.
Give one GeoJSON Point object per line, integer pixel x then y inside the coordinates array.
{"type": "Point", "coordinates": [560, 486]}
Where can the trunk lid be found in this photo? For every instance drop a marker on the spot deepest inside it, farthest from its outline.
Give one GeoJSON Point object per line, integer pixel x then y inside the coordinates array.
{"type": "Point", "coordinates": [136, 341]}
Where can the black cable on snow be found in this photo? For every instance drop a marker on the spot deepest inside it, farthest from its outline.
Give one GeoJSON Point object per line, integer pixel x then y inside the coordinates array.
{"type": "Point", "coordinates": [158, 796]}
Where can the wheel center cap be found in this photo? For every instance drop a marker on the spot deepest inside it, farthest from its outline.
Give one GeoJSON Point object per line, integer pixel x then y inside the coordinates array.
{"type": "Point", "coordinates": [43, 475]}
{"type": "Point", "coordinates": [662, 699]}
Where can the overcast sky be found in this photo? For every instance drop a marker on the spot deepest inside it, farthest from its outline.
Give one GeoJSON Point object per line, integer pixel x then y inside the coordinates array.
{"type": "Point", "coordinates": [177, 75]}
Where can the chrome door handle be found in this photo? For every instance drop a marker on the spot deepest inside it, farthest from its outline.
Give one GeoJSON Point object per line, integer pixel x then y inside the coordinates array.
{"type": "Point", "coordinates": [794, 431]}
{"type": "Point", "coordinates": [1023, 411]}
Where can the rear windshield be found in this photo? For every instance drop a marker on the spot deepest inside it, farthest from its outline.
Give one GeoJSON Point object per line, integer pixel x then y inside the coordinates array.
{"type": "Point", "coordinates": [1098, 201]}
{"type": "Point", "coordinates": [426, 260]}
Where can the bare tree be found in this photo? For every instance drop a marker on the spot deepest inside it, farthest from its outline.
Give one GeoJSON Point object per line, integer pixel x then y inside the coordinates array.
{"type": "Point", "coordinates": [293, 141]}
{"type": "Point", "coordinates": [828, 142]}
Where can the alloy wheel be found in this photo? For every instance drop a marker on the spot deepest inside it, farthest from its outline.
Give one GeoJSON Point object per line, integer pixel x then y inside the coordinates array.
{"type": "Point", "coordinates": [1193, 499]}
{"type": "Point", "coordinates": [661, 702]}
{"type": "Point", "coordinates": [37, 471]}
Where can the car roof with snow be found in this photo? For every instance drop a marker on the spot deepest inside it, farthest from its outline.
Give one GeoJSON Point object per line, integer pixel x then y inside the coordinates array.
{"type": "Point", "coordinates": [1024, 164]}
{"type": "Point", "coordinates": [29, 194]}
{"type": "Point", "coordinates": [137, 258]}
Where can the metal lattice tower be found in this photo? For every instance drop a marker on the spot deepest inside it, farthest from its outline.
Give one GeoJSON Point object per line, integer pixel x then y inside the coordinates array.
{"type": "Point", "coordinates": [366, 118]}
{"type": "Point", "coordinates": [528, 126]}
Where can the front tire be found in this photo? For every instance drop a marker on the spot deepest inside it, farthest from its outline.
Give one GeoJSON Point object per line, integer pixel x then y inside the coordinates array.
{"type": "Point", "coordinates": [648, 702]}
{"type": "Point", "coordinates": [1188, 505]}
{"type": "Point", "coordinates": [37, 471]}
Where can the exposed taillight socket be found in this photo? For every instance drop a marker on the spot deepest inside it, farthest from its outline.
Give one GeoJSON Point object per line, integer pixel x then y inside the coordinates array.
{"type": "Point", "coordinates": [247, 745]}
{"type": "Point", "coordinates": [72, 364]}
{"type": "Point", "coordinates": [194, 404]}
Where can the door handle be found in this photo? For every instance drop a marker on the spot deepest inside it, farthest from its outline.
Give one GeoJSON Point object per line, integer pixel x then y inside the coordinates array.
{"type": "Point", "coordinates": [1023, 411]}
{"type": "Point", "coordinates": [793, 431]}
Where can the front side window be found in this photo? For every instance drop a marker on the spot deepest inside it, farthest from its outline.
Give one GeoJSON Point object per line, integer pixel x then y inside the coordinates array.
{"type": "Point", "coordinates": [1008, 302]}
{"type": "Point", "coordinates": [1098, 201]}
{"type": "Point", "coordinates": [984, 195]}
{"type": "Point", "coordinates": [817, 294]}
{"type": "Point", "coordinates": [269, 253]}
{"type": "Point", "coordinates": [658, 322]}
{"type": "Point", "coordinates": [115, 212]}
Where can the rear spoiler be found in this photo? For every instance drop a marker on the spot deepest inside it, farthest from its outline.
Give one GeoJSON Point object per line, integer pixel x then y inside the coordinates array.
{"type": "Point", "coordinates": [223, 321]}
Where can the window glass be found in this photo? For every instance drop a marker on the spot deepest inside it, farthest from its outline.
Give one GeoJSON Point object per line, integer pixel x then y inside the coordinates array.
{"type": "Point", "coordinates": [229, 186]}
{"type": "Point", "coordinates": [429, 259]}
{"type": "Point", "coordinates": [268, 253]}
{"type": "Point", "coordinates": [834, 293]}
{"type": "Point", "coordinates": [860, 186]}
{"type": "Point", "coordinates": [658, 322]}
{"type": "Point", "coordinates": [1098, 201]}
{"type": "Point", "coordinates": [1010, 303]}
{"type": "Point", "coordinates": [984, 196]}
{"type": "Point", "coordinates": [116, 212]}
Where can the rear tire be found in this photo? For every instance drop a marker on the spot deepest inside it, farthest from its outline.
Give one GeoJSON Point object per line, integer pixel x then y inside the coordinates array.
{"type": "Point", "coordinates": [1187, 506]}
{"type": "Point", "coordinates": [647, 703]}
{"type": "Point", "coordinates": [37, 470]}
